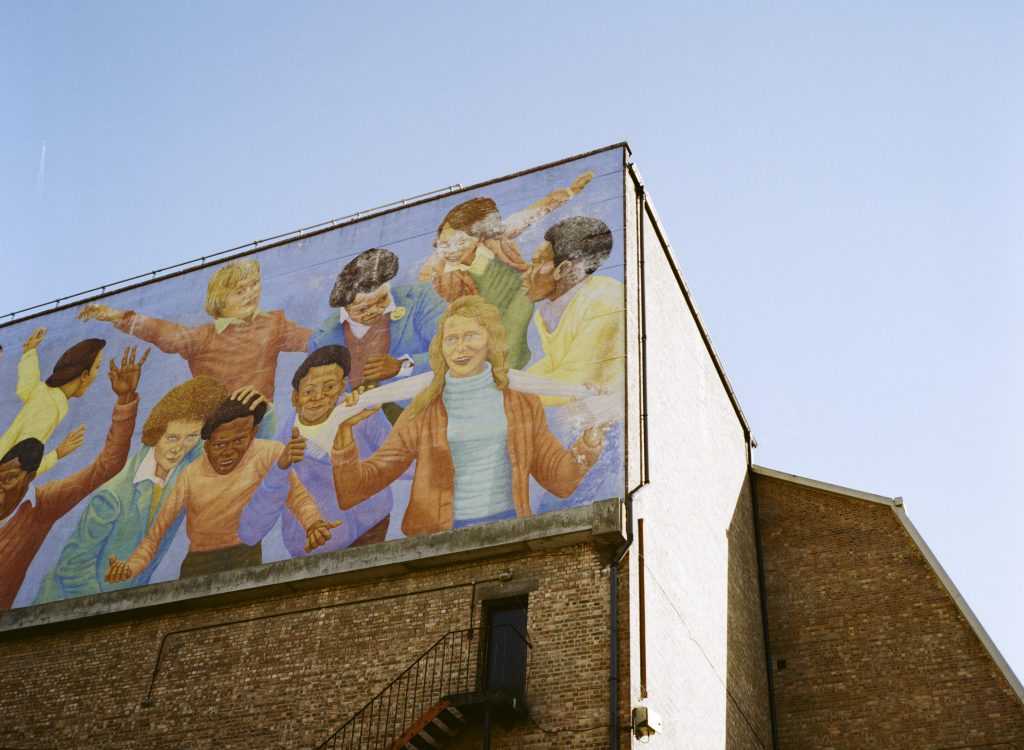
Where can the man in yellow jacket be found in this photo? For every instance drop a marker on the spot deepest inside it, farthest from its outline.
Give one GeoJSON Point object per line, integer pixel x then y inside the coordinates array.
{"type": "Point", "coordinates": [579, 316]}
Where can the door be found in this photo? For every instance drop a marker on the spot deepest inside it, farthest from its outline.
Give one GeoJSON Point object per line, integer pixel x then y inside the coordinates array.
{"type": "Point", "coordinates": [506, 650]}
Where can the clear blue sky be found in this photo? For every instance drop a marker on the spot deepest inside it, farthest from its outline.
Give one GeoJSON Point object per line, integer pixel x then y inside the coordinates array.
{"type": "Point", "coordinates": [843, 184]}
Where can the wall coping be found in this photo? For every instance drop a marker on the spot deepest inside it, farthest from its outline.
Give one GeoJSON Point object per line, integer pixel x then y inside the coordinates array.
{"type": "Point", "coordinates": [601, 523]}
{"type": "Point", "coordinates": [819, 485]}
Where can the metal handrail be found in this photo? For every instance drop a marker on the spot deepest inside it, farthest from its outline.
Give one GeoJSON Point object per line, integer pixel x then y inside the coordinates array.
{"type": "Point", "coordinates": [457, 663]}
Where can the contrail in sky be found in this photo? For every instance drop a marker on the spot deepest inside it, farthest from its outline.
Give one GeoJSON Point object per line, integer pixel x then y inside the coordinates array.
{"type": "Point", "coordinates": [42, 172]}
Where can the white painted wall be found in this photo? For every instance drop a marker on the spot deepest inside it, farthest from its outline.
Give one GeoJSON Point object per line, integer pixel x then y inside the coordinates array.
{"type": "Point", "coordinates": [698, 464]}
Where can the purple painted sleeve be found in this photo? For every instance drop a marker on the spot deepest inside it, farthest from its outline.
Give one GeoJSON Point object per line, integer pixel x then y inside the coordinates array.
{"type": "Point", "coordinates": [264, 508]}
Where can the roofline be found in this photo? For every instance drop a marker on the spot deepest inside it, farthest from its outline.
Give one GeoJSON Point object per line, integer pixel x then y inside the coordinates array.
{"type": "Point", "coordinates": [688, 297]}
{"type": "Point", "coordinates": [833, 488]}
{"type": "Point", "coordinates": [896, 505]}
{"type": "Point", "coordinates": [240, 251]}
{"type": "Point", "coordinates": [961, 603]}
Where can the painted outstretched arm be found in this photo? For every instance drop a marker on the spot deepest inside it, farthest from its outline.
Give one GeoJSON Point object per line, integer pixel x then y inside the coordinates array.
{"type": "Point", "coordinates": [560, 470]}
{"type": "Point", "coordinates": [520, 221]}
{"type": "Point", "coordinates": [57, 498]}
{"type": "Point", "coordinates": [28, 381]}
{"type": "Point", "coordinates": [282, 488]}
{"type": "Point", "coordinates": [303, 507]}
{"type": "Point", "coordinates": [172, 338]}
{"type": "Point", "coordinates": [28, 368]}
{"type": "Point", "coordinates": [356, 480]}
{"type": "Point", "coordinates": [136, 563]}
{"type": "Point", "coordinates": [264, 507]}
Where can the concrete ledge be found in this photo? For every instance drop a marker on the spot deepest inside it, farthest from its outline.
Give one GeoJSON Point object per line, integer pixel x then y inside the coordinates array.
{"type": "Point", "coordinates": [601, 523]}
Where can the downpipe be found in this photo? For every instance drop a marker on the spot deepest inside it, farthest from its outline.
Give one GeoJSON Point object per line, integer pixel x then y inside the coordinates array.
{"type": "Point", "coordinates": [613, 628]}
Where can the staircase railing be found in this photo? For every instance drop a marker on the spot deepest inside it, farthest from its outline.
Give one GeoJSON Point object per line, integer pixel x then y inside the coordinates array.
{"type": "Point", "coordinates": [460, 662]}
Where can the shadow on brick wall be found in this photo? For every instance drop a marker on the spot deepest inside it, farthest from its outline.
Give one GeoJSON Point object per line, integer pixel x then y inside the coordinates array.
{"type": "Point", "coordinates": [748, 717]}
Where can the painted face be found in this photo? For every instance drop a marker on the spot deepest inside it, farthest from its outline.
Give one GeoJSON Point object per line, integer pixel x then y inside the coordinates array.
{"type": "Point", "coordinates": [243, 300]}
{"type": "Point", "coordinates": [318, 393]}
{"type": "Point", "coordinates": [456, 246]}
{"type": "Point", "coordinates": [14, 482]}
{"type": "Point", "coordinates": [178, 439]}
{"type": "Point", "coordinates": [228, 443]}
{"type": "Point", "coordinates": [464, 346]}
{"type": "Point", "coordinates": [539, 279]}
{"type": "Point", "coordinates": [89, 377]}
{"type": "Point", "coordinates": [366, 309]}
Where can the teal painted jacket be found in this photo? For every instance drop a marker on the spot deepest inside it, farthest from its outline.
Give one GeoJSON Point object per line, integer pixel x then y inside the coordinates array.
{"type": "Point", "coordinates": [113, 523]}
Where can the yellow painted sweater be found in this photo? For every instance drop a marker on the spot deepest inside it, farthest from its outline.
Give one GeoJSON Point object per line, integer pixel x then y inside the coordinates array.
{"type": "Point", "coordinates": [44, 409]}
{"type": "Point", "coordinates": [588, 344]}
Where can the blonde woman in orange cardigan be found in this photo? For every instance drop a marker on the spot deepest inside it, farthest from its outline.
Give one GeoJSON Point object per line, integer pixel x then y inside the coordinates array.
{"type": "Point", "coordinates": [475, 441]}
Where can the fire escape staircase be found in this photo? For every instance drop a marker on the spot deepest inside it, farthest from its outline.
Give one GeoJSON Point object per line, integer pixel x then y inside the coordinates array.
{"type": "Point", "coordinates": [468, 677]}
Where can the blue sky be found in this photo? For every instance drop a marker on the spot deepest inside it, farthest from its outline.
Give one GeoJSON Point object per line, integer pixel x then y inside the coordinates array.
{"type": "Point", "coordinates": [842, 184]}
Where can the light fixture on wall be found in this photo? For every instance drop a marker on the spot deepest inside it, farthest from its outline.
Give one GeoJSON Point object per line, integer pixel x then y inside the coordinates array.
{"type": "Point", "coordinates": [645, 722]}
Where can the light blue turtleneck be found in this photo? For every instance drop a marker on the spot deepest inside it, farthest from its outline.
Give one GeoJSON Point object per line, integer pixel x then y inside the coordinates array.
{"type": "Point", "coordinates": [478, 439]}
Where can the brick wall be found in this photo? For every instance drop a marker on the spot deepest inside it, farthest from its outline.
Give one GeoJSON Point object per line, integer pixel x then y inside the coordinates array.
{"type": "Point", "coordinates": [876, 653]}
{"type": "Point", "coordinates": [309, 661]}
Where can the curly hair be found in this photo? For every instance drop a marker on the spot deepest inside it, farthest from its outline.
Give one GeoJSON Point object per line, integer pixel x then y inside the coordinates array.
{"type": "Point", "coordinates": [196, 399]}
{"type": "Point", "coordinates": [489, 318]}
{"type": "Point", "coordinates": [332, 354]}
{"type": "Point", "coordinates": [230, 410]}
{"type": "Point", "coordinates": [365, 273]}
{"type": "Point", "coordinates": [580, 239]}
{"type": "Point", "coordinates": [29, 453]}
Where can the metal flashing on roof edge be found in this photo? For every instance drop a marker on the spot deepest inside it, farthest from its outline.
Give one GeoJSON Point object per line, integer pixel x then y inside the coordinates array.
{"type": "Point", "coordinates": [896, 505]}
{"type": "Point", "coordinates": [959, 600]}
{"type": "Point", "coordinates": [818, 485]}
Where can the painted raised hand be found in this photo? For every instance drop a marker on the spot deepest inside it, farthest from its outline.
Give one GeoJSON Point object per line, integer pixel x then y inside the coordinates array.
{"type": "Point", "coordinates": [124, 380]}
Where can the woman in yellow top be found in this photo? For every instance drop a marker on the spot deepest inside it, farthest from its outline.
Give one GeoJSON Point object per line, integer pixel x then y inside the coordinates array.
{"type": "Point", "coordinates": [46, 402]}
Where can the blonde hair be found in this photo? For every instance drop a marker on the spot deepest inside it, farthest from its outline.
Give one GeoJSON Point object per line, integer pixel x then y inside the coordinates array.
{"type": "Point", "coordinates": [226, 278]}
{"type": "Point", "coordinates": [487, 315]}
{"type": "Point", "coordinates": [195, 399]}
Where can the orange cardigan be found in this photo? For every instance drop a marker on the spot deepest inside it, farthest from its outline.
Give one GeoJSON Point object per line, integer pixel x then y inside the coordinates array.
{"type": "Point", "coordinates": [423, 438]}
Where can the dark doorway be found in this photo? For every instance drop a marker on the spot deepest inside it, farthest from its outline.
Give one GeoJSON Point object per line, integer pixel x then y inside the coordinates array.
{"type": "Point", "coordinates": [506, 648]}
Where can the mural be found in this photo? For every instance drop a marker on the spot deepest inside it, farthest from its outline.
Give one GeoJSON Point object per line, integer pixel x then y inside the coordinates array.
{"type": "Point", "coordinates": [454, 363]}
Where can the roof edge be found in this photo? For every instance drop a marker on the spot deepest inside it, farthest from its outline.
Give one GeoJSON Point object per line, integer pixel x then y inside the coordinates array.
{"type": "Point", "coordinates": [688, 297]}
{"type": "Point", "coordinates": [827, 487]}
{"type": "Point", "coordinates": [961, 603]}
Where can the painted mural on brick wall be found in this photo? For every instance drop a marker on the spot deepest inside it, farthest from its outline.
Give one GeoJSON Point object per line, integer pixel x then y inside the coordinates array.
{"type": "Point", "coordinates": [454, 363]}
